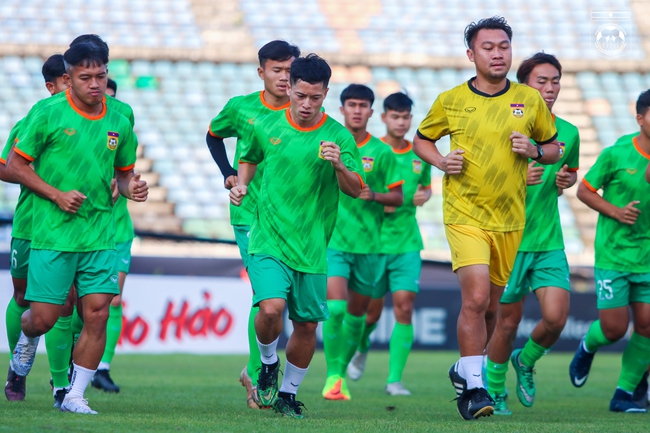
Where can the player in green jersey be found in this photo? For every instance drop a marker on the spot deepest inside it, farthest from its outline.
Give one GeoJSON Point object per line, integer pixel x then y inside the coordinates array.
{"type": "Point", "coordinates": [309, 158]}
{"type": "Point", "coordinates": [124, 235]}
{"type": "Point", "coordinates": [78, 144]}
{"type": "Point", "coordinates": [541, 264]}
{"type": "Point", "coordinates": [236, 120]}
{"type": "Point", "coordinates": [353, 258]}
{"type": "Point", "coordinates": [53, 71]}
{"type": "Point", "coordinates": [622, 266]}
{"type": "Point", "coordinates": [401, 243]}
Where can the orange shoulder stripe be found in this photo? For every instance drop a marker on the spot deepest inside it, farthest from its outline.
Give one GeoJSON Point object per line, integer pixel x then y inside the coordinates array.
{"type": "Point", "coordinates": [360, 179]}
{"type": "Point", "coordinates": [588, 185]}
{"type": "Point", "coordinates": [394, 184]}
{"type": "Point", "coordinates": [574, 169]}
{"type": "Point", "coordinates": [24, 155]}
{"type": "Point", "coordinates": [125, 168]}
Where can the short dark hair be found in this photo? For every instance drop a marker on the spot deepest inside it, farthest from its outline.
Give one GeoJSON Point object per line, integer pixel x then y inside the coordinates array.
{"type": "Point", "coordinates": [492, 23]}
{"type": "Point", "coordinates": [86, 54]}
{"type": "Point", "coordinates": [541, 58]}
{"type": "Point", "coordinates": [643, 103]}
{"type": "Point", "coordinates": [278, 51]}
{"type": "Point", "coordinates": [53, 68]}
{"type": "Point", "coordinates": [358, 91]}
{"type": "Point", "coordinates": [112, 85]}
{"type": "Point", "coordinates": [311, 69]}
{"type": "Point", "coordinates": [399, 102]}
{"type": "Point", "coordinates": [90, 38]}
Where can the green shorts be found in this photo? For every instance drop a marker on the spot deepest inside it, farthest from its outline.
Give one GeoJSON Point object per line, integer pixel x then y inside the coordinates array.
{"type": "Point", "coordinates": [534, 270]}
{"type": "Point", "coordinates": [401, 272]}
{"type": "Point", "coordinates": [52, 273]}
{"type": "Point", "coordinates": [618, 289]}
{"type": "Point", "coordinates": [19, 258]}
{"type": "Point", "coordinates": [305, 294]}
{"type": "Point", "coordinates": [242, 235]}
{"type": "Point", "coordinates": [123, 250]}
{"type": "Point", "coordinates": [362, 271]}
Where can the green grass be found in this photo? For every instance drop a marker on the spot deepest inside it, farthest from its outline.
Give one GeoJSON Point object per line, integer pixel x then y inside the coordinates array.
{"type": "Point", "coordinates": [201, 393]}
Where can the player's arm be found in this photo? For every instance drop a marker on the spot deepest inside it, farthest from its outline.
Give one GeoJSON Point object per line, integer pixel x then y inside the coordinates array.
{"type": "Point", "coordinates": [131, 186]}
{"type": "Point", "coordinates": [19, 169]}
{"type": "Point", "coordinates": [217, 149]}
{"type": "Point", "coordinates": [422, 195]}
{"type": "Point", "coordinates": [4, 173]}
{"type": "Point", "coordinates": [349, 182]}
{"type": "Point", "coordinates": [521, 145]}
{"type": "Point", "coordinates": [589, 196]}
{"type": "Point", "coordinates": [394, 197]}
{"type": "Point", "coordinates": [246, 174]}
{"type": "Point", "coordinates": [647, 174]}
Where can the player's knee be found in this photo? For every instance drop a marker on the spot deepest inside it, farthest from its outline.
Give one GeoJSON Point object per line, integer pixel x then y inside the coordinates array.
{"type": "Point", "coordinates": [555, 324]}
{"type": "Point", "coordinates": [475, 304]}
{"type": "Point", "coordinates": [96, 318]}
{"type": "Point", "coordinates": [403, 312]}
{"type": "Point", "coordinates": [19, 297]}
{"type": "Point", "coordinates": [614, 332]}
{"type": "Point", "coordinates": [305, 328]}
{"type": "Point", "coordinates": [42, 323]}
{"type": "Point", "coordinates": [270, 312]}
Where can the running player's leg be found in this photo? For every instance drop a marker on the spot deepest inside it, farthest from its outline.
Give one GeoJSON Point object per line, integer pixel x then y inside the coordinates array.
{"type": "Point", "coordinates": [58, 343]}
{"type": "Point", "coordinates": [96, 285]}
{"type": "Point", "coordinates": [357, 364]}
{"type": "Point", "coordinates": [613, 294]}
{"type": "Point", "coordinates": [248, 376]}
{"type": "Point", "coordinates": [636, 356]}
{"type": "Point", "coordinates": [338, 273]}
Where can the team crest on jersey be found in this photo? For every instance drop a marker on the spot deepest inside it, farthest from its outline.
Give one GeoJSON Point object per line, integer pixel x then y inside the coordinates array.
{"type": "Point", "coordinates": [275, 140]}
{"type": "Point", "coordinates": [517, 110]}
{"type": "Point", "coordinates": [631, 170]}
{"type": "Point", "coordinates": [417, 166]}
{"type": "Point", "coordinates": [70, 131]}
{"type": "Point", "coordinates": [113, 138]}
{"type": "Point", "coordinates": [562, 147]}
{"type": "Point", "coordinates": [368, 163]}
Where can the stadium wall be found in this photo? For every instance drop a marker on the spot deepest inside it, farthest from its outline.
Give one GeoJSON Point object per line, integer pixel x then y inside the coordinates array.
{"type": "Point", "coordinates": [201, 306]}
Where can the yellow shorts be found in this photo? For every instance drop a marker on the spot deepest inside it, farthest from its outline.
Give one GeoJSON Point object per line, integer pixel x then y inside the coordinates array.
{"type": "Point", "coordinates": [471, 245]}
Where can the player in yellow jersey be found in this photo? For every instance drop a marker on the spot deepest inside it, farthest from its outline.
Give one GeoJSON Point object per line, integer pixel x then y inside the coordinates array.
{"type": "Point", "coordinates": [490, 122]}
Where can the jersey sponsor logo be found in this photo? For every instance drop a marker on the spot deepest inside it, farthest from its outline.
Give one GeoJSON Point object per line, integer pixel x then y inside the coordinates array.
{"type": "Point", "coordinates": [631, 170]}
{"type": "Point", "coordinates": [470, 109]}
{"type": "Point", "coordinates": [69, 131]}
{"type": "Point", "coordinates": [562, 147]}
{"type": "Point", "coordinates": [275, 140]}
{"type": "Point", "coordinates": [417, 166]}
{"type": "Point", "coordinates": [517, 110]}
{"type": "Point", "coordinates": [113, 138]}
{"type": "Point", "coordinates": [368, 163]}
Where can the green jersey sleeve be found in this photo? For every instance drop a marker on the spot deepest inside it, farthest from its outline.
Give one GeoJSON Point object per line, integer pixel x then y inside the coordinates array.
{"type": "Point", "coordinates": [32, 139]}
{"type": "Point", "coordinates": [126, 151]}
{"type": "Point", "coordinates": [252, 152]}
{"type": "Point", "coordinates": [351, 158]}
{"type": "Point", "coordinates": [393, 175]}
{"type": "Point", "coordinates": [573, 158]}
{"type": "Point", "coordinates": [224, 126]}
{"type": "Point", "coordinates": [436, 124]}
{"type": "Point", "coordinates": [601, 172]}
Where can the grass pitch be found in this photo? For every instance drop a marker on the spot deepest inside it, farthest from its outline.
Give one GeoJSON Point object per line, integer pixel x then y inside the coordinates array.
{"type": "Point", "coordinates": [201, 393]}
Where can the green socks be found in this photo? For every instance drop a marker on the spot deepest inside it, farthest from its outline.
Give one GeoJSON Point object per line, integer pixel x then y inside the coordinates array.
{"type": "Point", "coordinates": [254, 358]}
{"type": "Point", "coordinates": [332, 335]}
{"type": "Point", "coordinates": [350, 336]}
{"type": "Point", "coordinates": [58, 342]}
{"type": "Point", "coordinates": [636, 359]}
{"type": "Point", "coordinates": [113, 331]}
{"type": "Point", "coordinates": [13, 319]}
{"type": "Point", "coordinates": [399, 348]}
{"type": "Point", "coordinates": [496, 377]}
{"type": "Point", "coordinates": [595, 339]}
{"type": "Point", "coordinates": [364, 344]}
{"type": "Point", "coordinates": [531, 353]}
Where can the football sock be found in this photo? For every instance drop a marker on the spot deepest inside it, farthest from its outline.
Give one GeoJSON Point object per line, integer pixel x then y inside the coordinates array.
{"type": "Point", "coordinates": [77, 325]}
{"type": "Point", "coordinates": [268, 354]}
{"type": "Point", "coordinates": [472, 370]}
{"type": "Point", "coordinates": [292, 378]}
{"type": "Point", "coordinates": [13, 322]}
{"type": "Point", "coordinates": [58, 342]}
{"type": "Point", "coordinates": [81, 377]}
{"type": "Point", "coordinates": [364, 344]}
{"type": "Point", "coordinates": [350, 335]}
{"type": "Point", "coordinates": [531, 353]}
{"type": "Point", "coordinates": [332, 335]}
{"type": "Point", "coordinates": [399, 348]}
{"type": "Point", "coordinates": [595, 339]}
{"type": "Point", "coordinates": [254, 362]}
{"type": "Point", "coordinates": [496, 377]}
{"type": "Point", "coordinates": [636, 359]}
{"type": "Point", "coordinates": [113, 331]}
